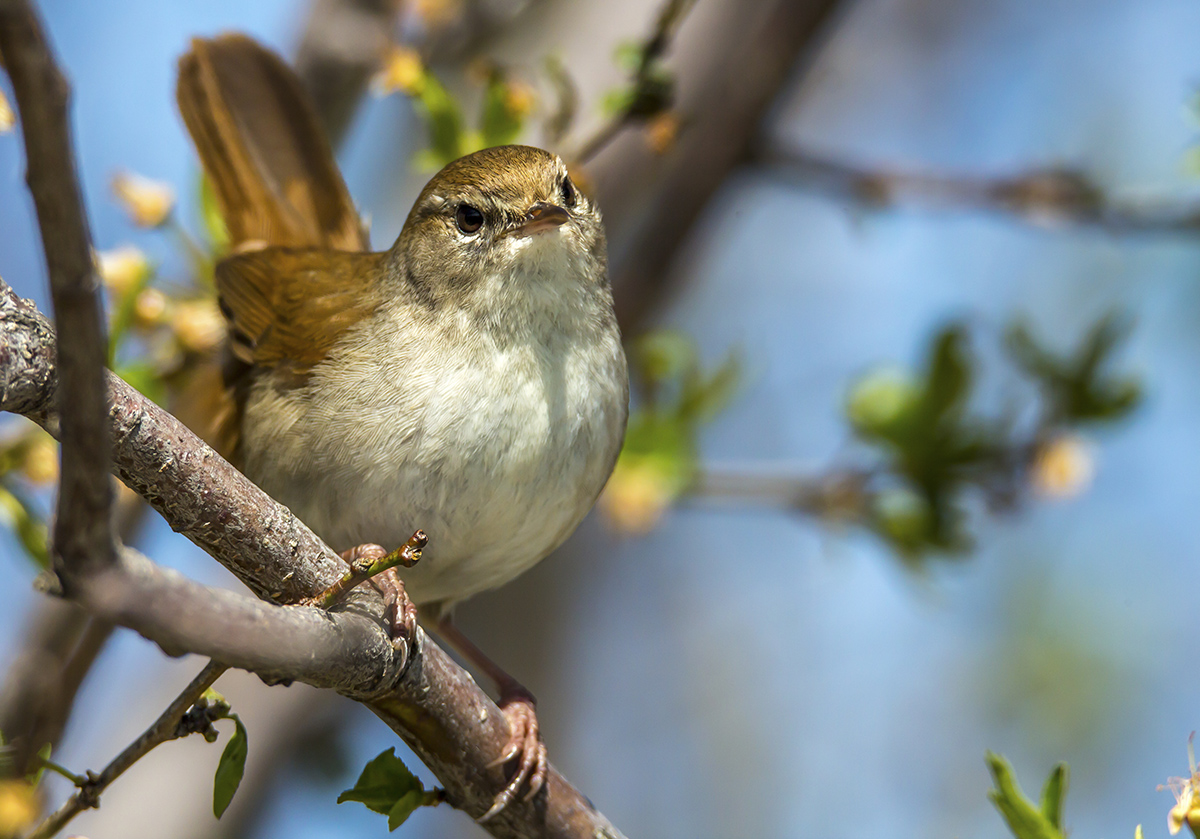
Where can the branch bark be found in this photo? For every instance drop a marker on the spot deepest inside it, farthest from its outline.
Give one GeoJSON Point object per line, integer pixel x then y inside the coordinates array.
{"type": "Point", "coordinates": [734, 90]}
{"type": "Point", "coordinates": [83, 535]}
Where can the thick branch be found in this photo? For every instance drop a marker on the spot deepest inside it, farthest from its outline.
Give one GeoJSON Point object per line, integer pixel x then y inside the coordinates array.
{"type": "Point", "coordinates": [1042, 197]}
{"type": "Point", "coordinates": [342, 45]}
{"type": "Point", "coordinates": [83, 536]}
{"type": "Point", "coordinates": [760, 45]}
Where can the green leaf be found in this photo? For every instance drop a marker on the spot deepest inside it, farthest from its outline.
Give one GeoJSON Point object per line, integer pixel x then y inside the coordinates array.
{"type": "Point", "coordinates": [664, 354]}
{"type": "Point", "coordinates": [706, 396]}
{"type": "Point", "coordinates": [17, 511]}
{"type": "Point", "coordinates": [210, 214]}
{"type": "Point", "coordinates": [1024, 820]}
{"type": "Point", "coordinates": [949, 378]}
{"type": "Point", "coordinates": [231, 768]}
{"type": "Point", "coordinates": [144, 378]}
{"type": "Point", "coordinates": [404, 807]}
{"type": "Point", "coordinates": [499, 124]}
{"type": "Point", "coordinates": [35, 777]}
{"type": "Point", "coordinates": [443, 116]}
{"type": "Point", "coordinates": [1053, 794]}
{"type": "Point", "coordinates": [384, 784]}
{"type": "Point", "coordinates": [559, 121]}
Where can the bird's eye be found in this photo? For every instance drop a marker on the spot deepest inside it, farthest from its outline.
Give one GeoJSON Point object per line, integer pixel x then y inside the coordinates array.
{"type": "Point", "coordinates": [568, 192]}
{"type": "Point", "coordinates": [468, 218]}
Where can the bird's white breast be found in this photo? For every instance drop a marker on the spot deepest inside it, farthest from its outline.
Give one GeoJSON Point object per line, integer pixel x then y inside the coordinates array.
{"type": "Point", "coordinates": [492, 433]}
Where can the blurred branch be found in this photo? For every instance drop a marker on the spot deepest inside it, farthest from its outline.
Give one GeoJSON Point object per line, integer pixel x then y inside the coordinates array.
{"type": "Point", "coordinates": [166, 727]}
{"type": "Point", "coordinates": [1055, 197]}
{"type": "Point", "coordinates": [736, 86]}
{"type": "Point", "coordinates": [342, 45]}
{"type": "Point", "coordinates": [649, 96]}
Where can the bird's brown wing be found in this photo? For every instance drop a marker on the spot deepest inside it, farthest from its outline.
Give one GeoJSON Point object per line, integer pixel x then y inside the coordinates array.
{"type": "Point", "coordinates": [278, 186]}
{"type": "Point", "coordinates": [287, 307]}
{"type": "Point", "coordinates": [263, 148]}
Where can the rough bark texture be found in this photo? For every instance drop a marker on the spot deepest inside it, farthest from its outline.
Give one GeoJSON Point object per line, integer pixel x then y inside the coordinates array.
{"type": "Point", "coordinates": [83, 527]}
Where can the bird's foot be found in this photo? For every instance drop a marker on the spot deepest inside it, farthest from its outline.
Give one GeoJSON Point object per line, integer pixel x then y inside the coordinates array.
{"type": "Point", "coordinates": [399, 611]}
{"type": "Point", "coordinates": [524, 745]}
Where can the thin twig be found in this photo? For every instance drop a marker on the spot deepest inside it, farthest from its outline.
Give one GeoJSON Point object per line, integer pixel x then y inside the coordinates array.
{"type": "Point", "coordinates": [165, 728]}
{"type": "Point", "coordinates": [1054, 197]}
{"type": "Point", "coordinates": [652, 49]}
{"type": "Point", "coordinates": [363, 569]}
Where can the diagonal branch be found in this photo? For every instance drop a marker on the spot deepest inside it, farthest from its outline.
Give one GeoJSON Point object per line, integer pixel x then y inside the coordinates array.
{"type": "Point", "coordinates": [1052, 197]}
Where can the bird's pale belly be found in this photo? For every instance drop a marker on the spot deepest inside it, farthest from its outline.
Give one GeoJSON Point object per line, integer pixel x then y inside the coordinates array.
{"type": "Point", "coordinates": [497, 466]}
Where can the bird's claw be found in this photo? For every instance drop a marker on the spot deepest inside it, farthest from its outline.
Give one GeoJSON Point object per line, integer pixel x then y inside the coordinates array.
{"type": "Point", "coordinates": [400, 611]}
{"type": "Point", "coordinates": [526, 746]}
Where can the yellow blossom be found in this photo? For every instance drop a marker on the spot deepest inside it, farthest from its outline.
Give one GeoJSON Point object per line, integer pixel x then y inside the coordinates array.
{"type": "Point", "coordinates": [636, 496]}
{"type": "Point", "coordinates": [150, 308]}
{"type": "Point", "coordinates": [662, 132]}
{"type": "Point", "coordinates": [40, 464]}
{"type": "Point", "coordinates": [122, 268]}
{"type": "Point", "coordinates": [438, 12]}
{"type": "Point", "coordinates": [18, 807]}
{"type": "Point", "coordinates": [1063, 467]}
{"type": "Point", "coordinates": [149, 203]}
{"type": "Point", "coordinates": [1187, 802]}
{"type": "Point", "coordinates": [520, 98]}
{"type": "Point", "coordinates": [7, 118]}
{"type": "Point", "coordinates": [402, 70]}
{"type": "Point", "coordinates": [198, 324]}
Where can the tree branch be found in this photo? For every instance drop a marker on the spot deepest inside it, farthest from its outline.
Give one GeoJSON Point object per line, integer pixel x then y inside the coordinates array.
{"type": "Point", "coordinates": [166, 727]}
{"type": "Point", "coordinates": [1055, 197]}
{"type": "Point", "coordinates": [83, 535]}
{"type": "Point", "coordinates": [735, 86]}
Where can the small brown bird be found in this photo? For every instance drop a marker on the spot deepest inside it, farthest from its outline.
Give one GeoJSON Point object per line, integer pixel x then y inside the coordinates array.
{"type": "Point", "coordinates": [469, 381]}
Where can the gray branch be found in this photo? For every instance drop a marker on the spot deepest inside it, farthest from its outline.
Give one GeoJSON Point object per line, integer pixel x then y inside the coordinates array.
{"type": "Point", "coordinates": [83, 528]}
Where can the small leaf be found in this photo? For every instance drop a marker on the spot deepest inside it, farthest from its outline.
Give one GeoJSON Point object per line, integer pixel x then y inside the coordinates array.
{"type": "Point", "coordinates": [1024, 820]}
{"type": "Point", "coordinates": [144, 378]}
{"type": "Point", "coordinates": [447, 140]}
{"type": "Point", "coordinates": [501, 120]}
{"type": "Point", "coordinates": [231, 768]}
{"type": "Point", "coordinates": [35, 777]}
{"type": "Point", "coordinates": [949, 377]}
{"type": "Point", "coordinates": [1053, 794]}
{"type": "Point", "coordinates": [17, 511]}
{"type": "Point", "coordinates": [404, 807]}
{"type": "Point", "coordinates": [214, 222]}
{"type": "Point", "coordinates": [384, 782]}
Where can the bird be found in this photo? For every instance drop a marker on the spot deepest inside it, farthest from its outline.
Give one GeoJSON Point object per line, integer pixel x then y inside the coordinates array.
{"type": "Point", "coordinates": [469, 381]}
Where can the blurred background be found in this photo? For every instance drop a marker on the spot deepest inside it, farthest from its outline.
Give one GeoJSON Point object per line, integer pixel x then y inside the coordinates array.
{"type": "Point", "coordinates": [827, 186]}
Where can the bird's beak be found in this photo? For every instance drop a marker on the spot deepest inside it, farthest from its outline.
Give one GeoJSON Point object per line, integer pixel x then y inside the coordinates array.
{"type": "Point", "coordinates": [540, 218]}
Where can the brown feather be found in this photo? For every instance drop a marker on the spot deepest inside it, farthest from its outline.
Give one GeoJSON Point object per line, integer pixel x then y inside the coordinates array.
{"type": "Point", "coordinates": [288, 307]}
{"type": "Point", "coordinates": [263, 149]}
{"type": "Point", "coordinates": [278, 186]}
